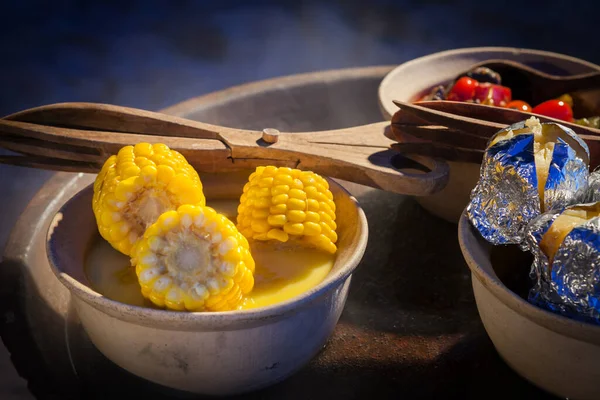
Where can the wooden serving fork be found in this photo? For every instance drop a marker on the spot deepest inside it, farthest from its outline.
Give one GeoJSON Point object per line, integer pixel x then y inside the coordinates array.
{"type": "Point", "coordinates": [459, 131]}
{"type": "Point", "coordinates": [79, 137]}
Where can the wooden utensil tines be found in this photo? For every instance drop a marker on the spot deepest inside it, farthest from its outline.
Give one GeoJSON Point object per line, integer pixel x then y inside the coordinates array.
{"type": "Point", "coordinates": [460, 131]}
{"type": "Point", "coordinates": [79, 137]}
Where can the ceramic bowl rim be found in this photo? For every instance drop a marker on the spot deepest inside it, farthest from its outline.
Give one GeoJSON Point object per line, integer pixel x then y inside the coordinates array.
{"type": "Point", "coordinates": [394, 73]}
{"type": "Point", "coordinates": [473, 247]}
{"type": "Point", "coordinates": [211, 321]}
{"type": "Point", "coordinates": [186, 107]}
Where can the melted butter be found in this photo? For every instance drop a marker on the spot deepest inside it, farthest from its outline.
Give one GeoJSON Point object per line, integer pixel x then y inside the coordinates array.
{"type": "Point", "coordinates": [110, 274]}
{"type": "Point", "coordinates": [282, 271]}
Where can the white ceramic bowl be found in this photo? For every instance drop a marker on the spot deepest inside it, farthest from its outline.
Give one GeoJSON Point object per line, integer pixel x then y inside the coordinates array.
{"type": "Point", "coordinates": [410, 79]}
{"type": "Point", "coordinates": [556, 353]}
{"type": "Point", "coordinates": [219, 353]}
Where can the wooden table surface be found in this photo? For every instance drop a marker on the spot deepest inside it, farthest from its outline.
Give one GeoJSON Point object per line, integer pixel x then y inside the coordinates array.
{"type": "Point", "coordinates": [410, 326]}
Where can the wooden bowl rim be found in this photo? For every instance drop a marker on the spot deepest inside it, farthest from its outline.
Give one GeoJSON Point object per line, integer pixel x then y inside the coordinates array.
{"type": "Point", "coordinates": [477, 255]}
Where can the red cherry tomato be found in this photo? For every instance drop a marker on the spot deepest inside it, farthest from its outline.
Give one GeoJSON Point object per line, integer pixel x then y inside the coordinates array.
{"type": "Point", "coordinates": [463, 89]}
{"type": "Point", "coordinates": [555, 109]}
{"type": "Point", "coordinates": [493, 95]}
{"type": "Point", "coordinates": [519, 105]}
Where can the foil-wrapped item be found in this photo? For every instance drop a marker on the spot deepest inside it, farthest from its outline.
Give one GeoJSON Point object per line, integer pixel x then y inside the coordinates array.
{"type": "Point", "coordinates": [594, 187]}
{"type": "Point", "coordinates": [507, 198]}
{"type": "Point", "coordinates": [568, 281]}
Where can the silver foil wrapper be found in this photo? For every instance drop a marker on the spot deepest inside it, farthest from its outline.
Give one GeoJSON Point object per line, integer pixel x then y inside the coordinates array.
{"type": "Point", "coordinates": [506, 196]}
{"type": "Point", "coordinates": [594, 187]}
{"type": "Point", "coordinates": [570, 286]}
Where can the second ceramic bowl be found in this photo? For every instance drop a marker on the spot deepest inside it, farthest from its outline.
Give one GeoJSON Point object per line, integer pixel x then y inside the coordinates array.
{"type": "Point", "coordinates": [410, 79]}
{"type": "Point", "coordinates": [556, 353]}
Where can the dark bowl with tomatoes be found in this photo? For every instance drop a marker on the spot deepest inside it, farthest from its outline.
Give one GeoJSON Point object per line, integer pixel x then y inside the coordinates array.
{"type": "Point", "coordinates": [448, 75]}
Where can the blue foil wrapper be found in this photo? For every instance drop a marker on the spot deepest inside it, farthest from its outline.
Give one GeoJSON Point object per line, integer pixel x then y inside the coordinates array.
{"type": "Point", "coordinates": [570, 286]}
{"type": "Point", "coordinates": [536, 230]}
{"type": "Point", "coordinates": [567, 178]}
{"type": "Point", "coordinates": [506, 198]}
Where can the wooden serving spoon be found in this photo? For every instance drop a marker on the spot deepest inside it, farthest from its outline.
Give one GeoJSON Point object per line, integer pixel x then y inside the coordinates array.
{"type": "Point", "coordinates": [535, 86]}
{"type": "Point", "coordinates": [81, 136]}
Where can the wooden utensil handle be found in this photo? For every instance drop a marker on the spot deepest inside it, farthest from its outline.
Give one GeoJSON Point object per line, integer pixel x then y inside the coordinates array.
{"type": "Point", "coordinates": [450, 153]}
{"type": "Point", "coordinates": [360, 154]}
{"type": "Point", "coordinates": [440, 135]}
{"type": "Point", "coordinates": [50, 164]}
{"type": "Point", "coordinates": [111, 118]}
{"type": "Point", "coordinates": [492, 114]}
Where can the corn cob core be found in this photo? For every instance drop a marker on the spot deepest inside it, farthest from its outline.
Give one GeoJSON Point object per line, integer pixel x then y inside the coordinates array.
{"type": "Point", "coordinates": [288, 204]}
{"type": "Point", "coordinates": [137, 185]}
{"type": "Point", "coordinates": [194, 259]}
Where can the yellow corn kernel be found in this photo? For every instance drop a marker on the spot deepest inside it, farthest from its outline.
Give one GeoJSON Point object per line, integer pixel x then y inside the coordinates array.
{"type": "Point", "coordinates": [312, 229]}
{"type": "Point", "coordinates": [266, 182]}
{"type": "Point", "coordinates": [297, 194]}
{"type": "Point", "coordinates": [143, 150]}
{"type": "Point", "coordinates": [260, 214]}
{"type": "Point", "coordinates": [296, 204]}
{"type": "Point", "coordinates": [194, 259]}
{"type": "Point", "coordinates": [313, 204]}
{"type": "Point", "coordinates": [278, 234]}
{"type": "Point", "coordinates": [119, 231]}
{"type": "Point", "coordinates": [312, 216]}
{"type": "Point", "coordinates": [263, 192]}
{"type": "Point", "coordinates": [165, 173]}
{"type": "Point", "coordinates": [323, 242]}
{"type": "Point", "coordinates": [262, 202]}
{"type": "Point", "coordinates": [137, 185]}
{"type": "Point", "coordinates": [327, 231]}
{"type": "Point", "coordinates": [280, 199]}
{"type": "Point", "coordinates": [296, 216]}
{"type": "Point", "coordinates": [299, 207]}
{"type": "Point", "coordinates": [283, 179]}
{"type": "Point", "coordinates": [293, 229]}
{"type": "Point", "coordinates": [260, 226]}
{"type": "Point", "coordinates": [280, 189]}
{"type": "Point", "coordinates": [278, 209]}
{"type": "Point", "coordinates": [307, 178]}
{"type": "Point", "coordinates": [277, 220]}
{"type": "Point", "coordinates": [298, 185]}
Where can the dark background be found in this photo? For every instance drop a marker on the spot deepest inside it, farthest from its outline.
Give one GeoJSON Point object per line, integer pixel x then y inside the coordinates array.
{"type": "Point", "coordinates": [151, 54]}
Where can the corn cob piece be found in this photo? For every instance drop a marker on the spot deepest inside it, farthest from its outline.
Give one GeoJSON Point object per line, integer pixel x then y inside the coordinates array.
{"type": "Point", "coordinates": [137, 185]}
{"type": "Point", "coordinates": [194, 259]}
{"type": "Point", "coordinates": [287, 204]}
